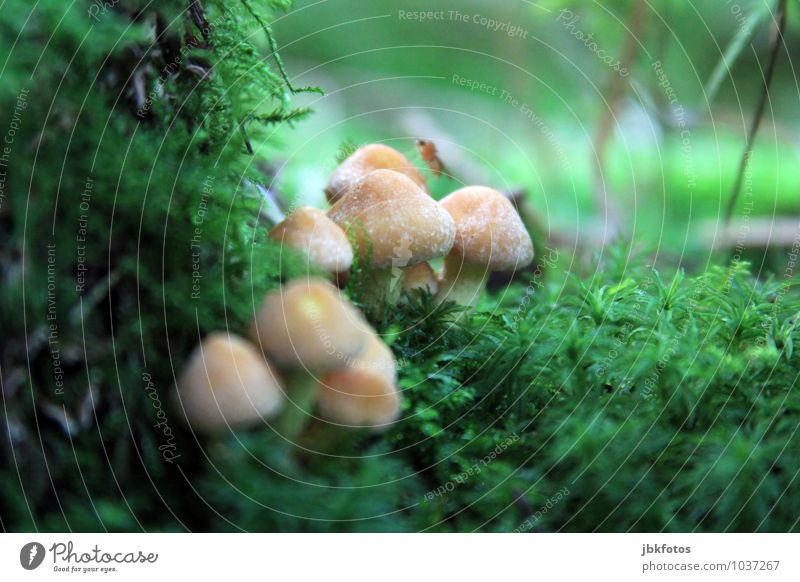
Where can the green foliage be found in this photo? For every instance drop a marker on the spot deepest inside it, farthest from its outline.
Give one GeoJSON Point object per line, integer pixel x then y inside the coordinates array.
{"type": "Point", "coordinates": [129, 228]}
{"type": "Point", "coordinates": [654, 402]}
{"type": "Point", "coordinates": [657, 405]}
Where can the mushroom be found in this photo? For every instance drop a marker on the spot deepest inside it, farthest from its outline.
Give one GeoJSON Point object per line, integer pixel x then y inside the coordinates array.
{"type": "Point", "coordinates": [364, 393]}
{"type": "Point", "coordinates": [420, 276]}
{"type": "Point", "coordinates": [307, 329]}
{"type": "Point", "coordinates": [306, 325]}
{"type": "Point", "coordinates": [396, 225]}
{"type": "Point", "coordinates": [366, 160]}
{"type": "Point", "coordinates": [309, 230]}
{"type": "Point", "coordinates": [489, 237]}
{"type": "Point", "coordinates": [227, 383]}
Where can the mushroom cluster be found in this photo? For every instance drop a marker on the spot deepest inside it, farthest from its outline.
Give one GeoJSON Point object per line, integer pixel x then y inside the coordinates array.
{"type": "Point", "coordinates": [328, 357]}
{"type": "Point", "coordinates": [309, 353]}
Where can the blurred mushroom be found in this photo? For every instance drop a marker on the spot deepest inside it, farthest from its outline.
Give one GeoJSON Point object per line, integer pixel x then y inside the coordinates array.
{"type": "Point", "coordinates": [420, 276]}
{"type": "Point", "coordinates": [363, 162]}
{"type": "Point", "coordinates": [396, 225]}
{"type": "Point", "coordinates": [307, 329]}
{"type": "Point", "coordinates": [364, 393]}
{"type": "Point", "coordinates": [489, 237]}
{"type": "Point", "coordinates": [309, 230]}
{"type": "Point", "coordinates": [307, 326]}
{"type": "Point", "coordinates": [227, 383]}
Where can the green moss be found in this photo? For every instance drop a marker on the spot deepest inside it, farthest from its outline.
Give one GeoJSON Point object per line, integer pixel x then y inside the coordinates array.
{"type": "Point", "coordinates": [129, 228]}
{"type": "Point", "coordinates": [631, 402]}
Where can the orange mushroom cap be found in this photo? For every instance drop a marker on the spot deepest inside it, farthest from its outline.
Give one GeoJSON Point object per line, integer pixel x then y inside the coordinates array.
{"type": "Point", "coordinates": [306, 324]}
{"type": "Point", "coordinates": [389, 215]}
{"type": "Point", "coordinates": [227, 382]}
{"type": "Point", "coordinates": [309, 230]}
{"type": "Point", "coordinates": [364, 393]}
{"type": "Point", "coordinates": [366, 160]}
{"type": "Point", "coordinates": [489, 230]}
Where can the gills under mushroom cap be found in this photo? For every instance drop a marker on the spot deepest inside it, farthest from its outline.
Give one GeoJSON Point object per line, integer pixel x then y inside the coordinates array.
{"type": "Point", "coordinates": [388, 213]}
{"type": "Point", "coordinates": [309, 230]}
{"type": "Point", "coordinates": [365, 160]}
{"type": "Point", "coordinates": [489, 230]}
{"type": "Point", "coordinates": [226, 382]}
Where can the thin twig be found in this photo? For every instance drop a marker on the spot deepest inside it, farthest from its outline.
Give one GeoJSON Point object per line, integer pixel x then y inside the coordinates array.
{"type": "Point", "coordinates": [780, 26]}
{"type": "Point", "coordinates": [615, 92]}
{"type": "Point", "coordinates": [246, 138]}
{"type": "Point", "coordinates": [749, 233]}
{"type": "Point", "coordinates": [198, 17]}
{"type": "Point", "coordinates": [197, 70]}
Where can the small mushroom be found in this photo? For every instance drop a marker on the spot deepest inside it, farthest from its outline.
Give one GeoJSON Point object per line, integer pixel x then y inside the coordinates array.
{"type": "Point", "coordinates": [420, 276]}
{"type": "Point", "coordinates": [307, 329]}
{"type": "Point", "coordinates": [396, 225]}
{"type": "Point", "coordinates": [227, 383]}
{"type": "Point", "coordinates": [307, 326]}
{"type": "Point", "coordinates": [364, 393]}
{"type": "Point", "coordinates": [366, 160]}
{"type": "Point", "coordinates": [489, 237]}
{"type": "Point", "coordinates": [309, 230]}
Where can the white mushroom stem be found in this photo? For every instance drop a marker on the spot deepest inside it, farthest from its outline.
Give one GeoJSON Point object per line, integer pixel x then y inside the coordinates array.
{"type": "Point", "coordinates": [381, 286]}
{"type": "Point", "coordinates": [461, 282]}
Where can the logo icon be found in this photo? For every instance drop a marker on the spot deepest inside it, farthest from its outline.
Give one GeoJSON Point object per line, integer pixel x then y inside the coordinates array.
{"type": "Point", "coordinates": [31, 555]}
